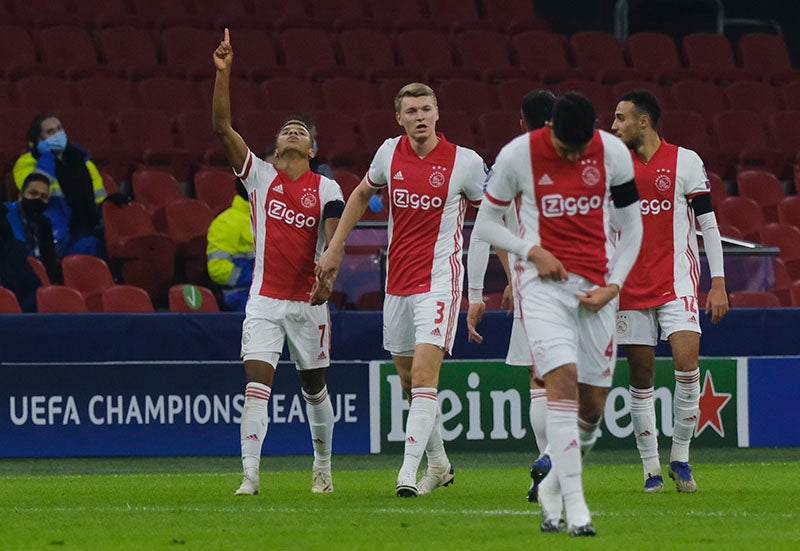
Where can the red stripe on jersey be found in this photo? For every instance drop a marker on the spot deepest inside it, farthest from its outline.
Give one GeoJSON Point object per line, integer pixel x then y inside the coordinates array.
{"type": "Point", "coordinates": [247, 166]}
{"type": "Point", "coordinates": [651, 281]}
{"type": "Point", "coordinates": [292, 216]}
{"type": "Point", "coordinates": [495, 200]}
{"type": "Point", "coordinates": [417, 205]}
{"type": "Point", "coordinates": [571, 199]}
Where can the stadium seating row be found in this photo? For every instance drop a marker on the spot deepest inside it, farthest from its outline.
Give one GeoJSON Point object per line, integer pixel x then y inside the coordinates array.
{"type": "Point", "coordinates": [419, 53]}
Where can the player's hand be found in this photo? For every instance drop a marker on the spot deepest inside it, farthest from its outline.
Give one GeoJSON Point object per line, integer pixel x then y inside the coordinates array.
{"type": "Point", "coordinates": [474, 315]}
{"type": "Point", "coordinates": [320, 292]}
{"type": "Point", "coordinates": [547, 265]}
{"type": "Point", "coordinates": [507, 303]}
{"type": "Point", "coordinates": [594, 299]}
{"type": "Point", "coordinates": [223, 55]}
{"type": "Point", "coordinates": [717, 304]}
{"type": "Point", "coordinates": [329, 263]}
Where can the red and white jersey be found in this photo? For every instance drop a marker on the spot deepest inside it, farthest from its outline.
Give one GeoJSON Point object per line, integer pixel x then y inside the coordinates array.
{"type": "Point", "coordinates": [427, 201]}
{"type": "Point", "coordinates": [668, 266]}
{"type": "Point", "coordinates": [563, 207]}
{"type": "Point", "coordinates": [288, 234]}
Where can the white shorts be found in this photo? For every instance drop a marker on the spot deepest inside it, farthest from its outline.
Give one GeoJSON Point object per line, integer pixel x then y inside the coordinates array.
{"type": "Point", "coordinates": [561, 331]}
{"type": "Point", "coordinates": [641, 326]}
{"type": "Point", "coordinates": [430, 318]}
{"type": "Point", "coordinates": [270, 321]}
{"type": "Point", "coordinates": [519, 351]}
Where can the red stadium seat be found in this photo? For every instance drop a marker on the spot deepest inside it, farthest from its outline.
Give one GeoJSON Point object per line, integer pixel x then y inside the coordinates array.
{"type": "Point", "coordinates": [767, 57]}
{"type": "Point", "coordinates": [466, 95]}
{"type": "Point", "coordinates": [256, 55]}
{"type": "Point", "coordinates": [88, 275]}
{"type": "Point", "coordinates": [763, 188]}
{"type": "Point", "coordinates": [783, 283]}
{"type": "Point", "coordinates": [288, 95]}
{"type": "Point", "coordinates": [187, 225]}
{"type": "Point", "coordinates": [133, 51]}
{"type": "Point", "coordinates": [401, 16]}
{"type": "Point", "coordinates": [370, 54]}
{"type": "Point", "coordinates": [149, 137]}
{"type": "Point", "coordinates": [349, 95]}
{"type": "Point", "coordinates": [784, 127]}
{"type": "Point", "coordinates": [510, 92]}
{"type": "Point", "coordinates": [159, 14]}
{"type": "Point", "coordinates": [8, 302]}
{"type": "Point", "coordinates": [498, 128]}
{"type": "Point", "coordinates": [192, 298]}
{"type": "Point", "coordinates": [689, 129]}
{"type": "Point", "coordinates": [197, 137]}
{"type": "Point", "coordinates": [216, 187]}
{"type": "Point", "coordinates": [461, 16]}
{"type": "Point", "coordinates": [787, 238]}
{"type": "Point", "coordinates": [718, 190]}
{"type": "Point", "coordinates": [789, 210]}
{"type": "Point", "coordinates": [743, 214]}
{"type": "Point", "coordinates": [623, 87]}
{"type": "Point", "coordinates": [750, 95]}
{"type": "Point", "coordinates": [126, 298]}
{"type": "Point", "coordinates": [45, 93]}
{"type": "Point", "coordinates": [109, 94]}
{"type": "Point", "coordinates": [486, 55]}
{"type": "Point", "coordinates": [100, 14]}
{"type": "Point", "coordinates": [595, 92]}
{"type": "Point", "coordinates": [155, 189]}
{"type": "Point", "coordinates": [187, 48]}
{"type": "Point", "coordinates": [40, 270]}
{"type": "Point", "coordinates": [744, 134]}
{"type": "Point", "coordinates": [378, 126]}
{"type": "Point", "coordinates": [371, 300]}
{"type": "Point", "coordinates": [514, 16]}
{"type": "Point", "coordinates": [711, 54]}
{"type": "Point", "coordinates": [70, 51]}
{"type": "Point", "coordinates": [599, 55]}
{"type": "Point", "coordinates": [341, 14]}
{"type": "Point", "coordinates": [59, 299]}
{"type": "Point", "coordinates": [427, 54]}
{"type": "Point", "coordinates": [544, 56]}
{"type": "Point", "coordinates": [20, 57]}
{"type": "Point", "coordinates": [701, 97]}
{"type": "Point", "coordinates": [168, 94]}
{"type": "Point", "coordinates": [310, 53]}
{"type": "Point", "coordinates": [655, 55]}
{"type": "Point", "coordinates": [347, 180]}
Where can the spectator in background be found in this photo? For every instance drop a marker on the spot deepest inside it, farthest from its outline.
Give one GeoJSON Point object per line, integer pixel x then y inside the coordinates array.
{"type": "Point", "coordinates": [26, 231]}
{"type": "Point", "coordinates": [230, 250]}
{"type": "Point", "coordinates": [315, 162]}
{"type": "Point", "coordinates": [76, 187]}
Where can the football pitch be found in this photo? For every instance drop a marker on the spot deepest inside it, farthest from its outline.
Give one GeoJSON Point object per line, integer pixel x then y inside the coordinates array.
{"type": "Point", "coordinates": [746, 499]}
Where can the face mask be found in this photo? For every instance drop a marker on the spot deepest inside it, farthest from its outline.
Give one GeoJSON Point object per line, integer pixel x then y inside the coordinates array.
{"type": "Point", "coordinates": [57, 142]}
{"type": "Point", "coordinates": [33, 208]}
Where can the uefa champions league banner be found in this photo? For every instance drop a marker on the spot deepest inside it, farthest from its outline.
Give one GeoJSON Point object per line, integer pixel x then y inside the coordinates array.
{"type": "Point", "coordinates": [165, 408]}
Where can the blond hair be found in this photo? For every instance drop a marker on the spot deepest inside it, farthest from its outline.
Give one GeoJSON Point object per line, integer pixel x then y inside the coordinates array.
{"type": "Point", "coordinates": [414, 90]}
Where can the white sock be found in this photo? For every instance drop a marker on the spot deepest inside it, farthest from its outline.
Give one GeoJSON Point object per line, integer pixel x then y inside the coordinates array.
{"type": "Point", "coordinates": [562, 433]}
{"type": "Point", "coordinates": [437, 457]}
{"type": "Point", "coordinates": [588, 433]}
{"type": "Point", "coordinates": [421, 417]}
{"type": "Point", "coordinates": [643, 416]}
{"type": "Point", "coordinates": [685, 408]}
{"type": "Point", "coordinates": [538, 417]}
{"type": "Point", "coordinates": [550, 498]}
{"type": "Point", "coordinates": [254, 424]}
{"type": "Point", "coordinates": [320, 420]}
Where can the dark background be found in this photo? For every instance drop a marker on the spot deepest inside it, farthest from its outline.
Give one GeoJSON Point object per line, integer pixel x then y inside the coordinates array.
{"type": "Point", "coordinates": [677, 17]}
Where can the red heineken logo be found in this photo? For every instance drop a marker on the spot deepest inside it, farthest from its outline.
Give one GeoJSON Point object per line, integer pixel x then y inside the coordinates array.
{"type": "Point", "coordinates": [711, 404]}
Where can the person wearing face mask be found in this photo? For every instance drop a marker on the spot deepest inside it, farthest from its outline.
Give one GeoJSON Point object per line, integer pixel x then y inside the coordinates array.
{"type": "Point", "coordinates": [26, 231]}
{"type": "Point", "coordinates": [76, 187]}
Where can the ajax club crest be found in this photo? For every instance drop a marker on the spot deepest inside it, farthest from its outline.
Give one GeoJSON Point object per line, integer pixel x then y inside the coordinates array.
{"type": "Point", "coordinates": [663, 180]}
{"type": "Point", "coordinates": [590, 174]}
{"type": "Point", "coordinates": [437, 179]}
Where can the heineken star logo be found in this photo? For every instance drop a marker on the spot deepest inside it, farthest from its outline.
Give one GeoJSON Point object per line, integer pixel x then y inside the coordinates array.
{"type": "Point", "coordinates": [711, 404]}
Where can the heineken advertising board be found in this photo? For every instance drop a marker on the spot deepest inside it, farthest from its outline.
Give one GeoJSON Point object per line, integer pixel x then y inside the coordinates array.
{"type": "Point", "coordinates": [485, 405]}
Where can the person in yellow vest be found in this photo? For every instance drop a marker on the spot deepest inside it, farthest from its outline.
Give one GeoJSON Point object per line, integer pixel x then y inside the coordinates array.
{"type": "Point", "coordinates": [230, 251]}
{"type": "Point", "coordinates": [76, 187]}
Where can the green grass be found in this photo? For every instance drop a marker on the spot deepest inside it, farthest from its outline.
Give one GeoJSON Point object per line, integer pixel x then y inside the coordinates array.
{"type": "Point", "coordinates": [746, 499]}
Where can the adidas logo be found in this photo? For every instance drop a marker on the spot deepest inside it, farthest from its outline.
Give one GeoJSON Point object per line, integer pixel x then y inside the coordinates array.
{"type": "Point", "coordinates": [545, 181]}
{"type": "Point", "coordinates": [436, 332]}
{"type": "Point", "coordinates": [607, 372]}
{"type": "Point", "coordinates": [411, 440]}
{"type": "Point", "coordinates": [645, 433]}
{"type": "Point", "coordinates": [251, 437]}
{"type": "Point", "coordinates": [573, 444]}
{"type": "Point", "coordinates": [692, 319]}
{"type": "Point", "coordinates": [318, 441]}
{"type": "Point", "coordinates": [322, 355]}
{"type": "Point", "coordinates": [279, 188]}
{"type": "Point", "coordinates": [398, 175]}
{"type": "Point", "coordinates": [692, 418]}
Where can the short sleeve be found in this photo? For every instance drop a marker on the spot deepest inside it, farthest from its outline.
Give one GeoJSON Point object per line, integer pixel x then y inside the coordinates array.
{"type": "Point", "coordinates": [693, 173]}
{"type": "Point", "coordinates": [618, 161]}
{"type": "Point", "coordinates": [329, 191]}
{"type": "Point", "coordinates": [255, 172]}
{"type": "Point", "coordinates": [502, 183]}
{"type": "Point", "coordinates": [476, 176]}
{"type": "Point", "coordinates": [378, 173]}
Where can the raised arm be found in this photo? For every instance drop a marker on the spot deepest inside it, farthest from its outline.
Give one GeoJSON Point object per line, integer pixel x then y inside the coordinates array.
{"type": "Point", "coordinates": [232, 142]}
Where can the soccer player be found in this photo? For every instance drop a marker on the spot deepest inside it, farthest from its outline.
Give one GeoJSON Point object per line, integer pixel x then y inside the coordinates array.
{"type": "Point", "coordinates": [537, 107]}
{"type": "Point", "coordinates": [429, 182]}
{"type": "Point", "coordinates": [293, 212]}
{"type": "Point", "coordinates": [662, 287]}
{"type": "Point", "coordinates": [566, 176]}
